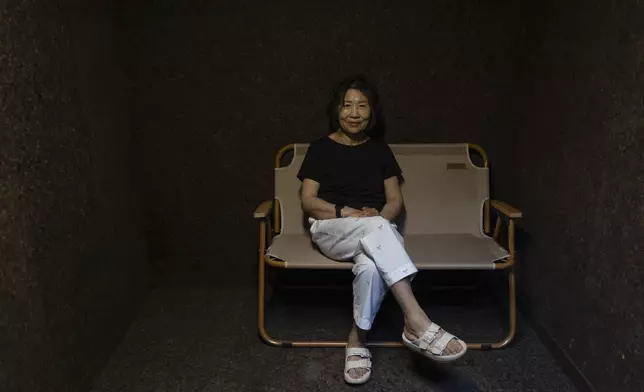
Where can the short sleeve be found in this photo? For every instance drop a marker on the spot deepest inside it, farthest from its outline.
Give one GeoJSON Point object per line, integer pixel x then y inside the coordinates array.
{"type": "Point", "coordinates": [390, 165]}
{"type": "Point", "coordinates": [312, 165]}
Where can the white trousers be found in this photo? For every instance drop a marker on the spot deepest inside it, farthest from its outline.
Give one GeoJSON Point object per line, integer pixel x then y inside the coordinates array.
{"type": "Point", "coordinates": [378, 253]}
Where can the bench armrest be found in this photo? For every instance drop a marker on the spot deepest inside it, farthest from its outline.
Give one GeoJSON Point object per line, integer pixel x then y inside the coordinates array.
{"type": "Point", "coordinates": [263, 209]}
{"type": "Point", "coordinates": [506, 209]}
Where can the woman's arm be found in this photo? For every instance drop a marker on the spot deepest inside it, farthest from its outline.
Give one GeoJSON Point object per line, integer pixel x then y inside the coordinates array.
{"type": "Point", "coordinates": [394, 199]}
{"type": "Point", "coordinates": [318, 208]}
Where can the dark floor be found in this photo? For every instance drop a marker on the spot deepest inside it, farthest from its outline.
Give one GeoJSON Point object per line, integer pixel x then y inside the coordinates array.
{"type": "Point", "coordinates": [205, 339]}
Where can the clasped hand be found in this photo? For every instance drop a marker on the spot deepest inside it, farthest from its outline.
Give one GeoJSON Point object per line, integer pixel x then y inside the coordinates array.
{"type": "Point", "coordinates": [355, 213]}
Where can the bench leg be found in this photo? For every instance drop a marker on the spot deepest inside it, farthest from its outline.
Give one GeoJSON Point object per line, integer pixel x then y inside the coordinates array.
{"type": "Point", "coordinates": [512, 320]}
{"type": "Point", "coordinates": [262, 291]}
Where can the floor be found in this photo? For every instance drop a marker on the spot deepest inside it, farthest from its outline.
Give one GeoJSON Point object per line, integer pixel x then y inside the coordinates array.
{"type": "Point", "coordinates": [205, 339]}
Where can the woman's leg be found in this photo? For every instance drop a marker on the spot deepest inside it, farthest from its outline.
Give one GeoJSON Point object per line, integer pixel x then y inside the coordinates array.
{"type": "Point", "coordinates": [385, 247]}
{"type": "Point", "coordinates": [339, 239]}
{"type": "Point", "coordinates": [416, 320]}
{"type": "Point", "coordinates": [369, 290]}
{"type": "Point", "coordinates": [357, 338]}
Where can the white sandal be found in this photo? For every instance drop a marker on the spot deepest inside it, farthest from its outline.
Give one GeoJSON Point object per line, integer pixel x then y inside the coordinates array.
{"type": "Point", "coordinates": [363, 363]}
{"type": "Point", "coordinates": [433, 348]}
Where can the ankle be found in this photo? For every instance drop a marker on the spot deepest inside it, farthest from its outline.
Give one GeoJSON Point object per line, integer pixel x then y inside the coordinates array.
{"type": "Point", "coordinates": [353, 340]}
{"type": "Point", "coordinates": [417, 326]}
{"type": "Point", "coordinates": [354, 344]}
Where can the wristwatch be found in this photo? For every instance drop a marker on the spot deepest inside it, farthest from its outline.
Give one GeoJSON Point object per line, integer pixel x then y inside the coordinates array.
{"type": "Point", "coordinates": [338, 211]}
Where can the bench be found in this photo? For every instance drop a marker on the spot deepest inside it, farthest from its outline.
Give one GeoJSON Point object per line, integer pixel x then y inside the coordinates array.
{"type": "Point", "coordinates": [445, 224]}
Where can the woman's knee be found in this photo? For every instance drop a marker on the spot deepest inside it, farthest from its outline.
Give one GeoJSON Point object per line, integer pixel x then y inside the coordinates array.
{"type": "Point", "coordinates": [380, 224]}
{"type": "Point", "coordinates": [378, 220]}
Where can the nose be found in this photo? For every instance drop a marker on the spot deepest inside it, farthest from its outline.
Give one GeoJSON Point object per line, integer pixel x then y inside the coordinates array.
{"type": "Point", "coordinates": [354, 111]}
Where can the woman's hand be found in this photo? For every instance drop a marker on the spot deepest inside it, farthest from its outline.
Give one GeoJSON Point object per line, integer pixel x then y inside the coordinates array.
{"type": "Point", "coordinates": [366, 212]}
{"type": "Point", "coordinates": [348, 212]}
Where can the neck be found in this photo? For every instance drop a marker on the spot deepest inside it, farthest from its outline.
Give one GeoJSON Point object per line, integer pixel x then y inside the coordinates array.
{"type": "Point", "coordinates": [351, 139]}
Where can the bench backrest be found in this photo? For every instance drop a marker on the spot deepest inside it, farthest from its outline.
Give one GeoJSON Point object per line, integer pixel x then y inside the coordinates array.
{"type": "Point", "coordinates": [444, 191]}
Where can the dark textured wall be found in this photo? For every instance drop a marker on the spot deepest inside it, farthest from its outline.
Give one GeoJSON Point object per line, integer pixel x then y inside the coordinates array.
{"type": "Point", "coordinates": [72, 261]}
{"type": "Point", "coordinates": [579, 178]}
{"type": "Point", "coordinates": [223, 85]}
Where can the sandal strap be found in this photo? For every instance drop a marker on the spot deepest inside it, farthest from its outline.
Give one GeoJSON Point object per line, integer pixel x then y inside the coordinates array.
{"type": "Point", "coordinates": [429, 342]}
{"type": "Point", "coordinates": [428, 337]}
{"type": "Point", "coordinates": [357, 351]}
{"type": "Point", "coordinates": [441, 343]}
{"type": "Point", "coordinates": [359, 364]}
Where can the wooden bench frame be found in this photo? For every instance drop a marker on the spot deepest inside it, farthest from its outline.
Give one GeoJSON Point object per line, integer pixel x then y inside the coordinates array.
{"type": "Point", "coordinates": [268, 214]}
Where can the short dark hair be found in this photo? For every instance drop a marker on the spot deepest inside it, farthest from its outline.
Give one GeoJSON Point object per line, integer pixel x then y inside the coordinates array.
{"type": "Point", "coordinates": [360, 83]}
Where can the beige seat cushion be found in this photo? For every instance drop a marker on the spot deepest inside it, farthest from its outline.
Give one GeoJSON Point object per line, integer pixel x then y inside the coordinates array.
{"type": "Point", "coordinates": [428, 251]}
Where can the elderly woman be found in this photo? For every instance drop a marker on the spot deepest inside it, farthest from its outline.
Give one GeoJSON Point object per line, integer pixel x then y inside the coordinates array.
{"type": "Point", "coordinates": [351, 193]}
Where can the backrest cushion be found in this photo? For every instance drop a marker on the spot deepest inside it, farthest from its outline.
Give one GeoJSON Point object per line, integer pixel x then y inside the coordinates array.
{"type": "Point", "coordinates": [444, 191]}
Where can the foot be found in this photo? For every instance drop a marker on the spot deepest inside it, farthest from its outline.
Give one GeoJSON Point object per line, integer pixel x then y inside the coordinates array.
{"type": "Point", "coordinates": [356, 373]}
{"type": "Point", "coordinates": [453, 347]}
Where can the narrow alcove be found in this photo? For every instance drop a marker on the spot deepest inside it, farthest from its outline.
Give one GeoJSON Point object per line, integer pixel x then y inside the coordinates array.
{"type": "Point", "coordinates": [137, 138]}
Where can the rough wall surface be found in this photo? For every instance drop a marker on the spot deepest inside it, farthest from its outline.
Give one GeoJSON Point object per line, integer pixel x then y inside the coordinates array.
{"type": "Point", "coordinates": [72, 253]}
{"type": "Point", "coordinates": [577, 142]}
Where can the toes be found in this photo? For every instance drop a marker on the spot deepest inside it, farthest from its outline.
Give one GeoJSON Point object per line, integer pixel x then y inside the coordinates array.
{"type": "Point", "coordinates": [357, 373]}
{"type": "Point", "coordinates": [454, 347]}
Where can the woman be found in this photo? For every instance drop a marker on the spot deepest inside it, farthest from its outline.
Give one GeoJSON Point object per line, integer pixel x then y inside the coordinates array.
{"type": "Point", "coordinates": [351, 193]}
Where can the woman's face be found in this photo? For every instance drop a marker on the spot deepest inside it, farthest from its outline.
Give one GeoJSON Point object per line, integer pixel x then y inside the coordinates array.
{"type": "Point", "coordinates": [354, 112]}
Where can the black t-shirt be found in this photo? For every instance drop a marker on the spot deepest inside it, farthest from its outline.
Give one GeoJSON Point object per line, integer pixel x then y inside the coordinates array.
{"type": "Point", "coordinates": [350, 176]}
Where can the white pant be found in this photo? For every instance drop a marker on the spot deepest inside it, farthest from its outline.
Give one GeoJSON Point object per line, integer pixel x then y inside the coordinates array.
{"type": "Point", "coordinates": [378, 253]}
